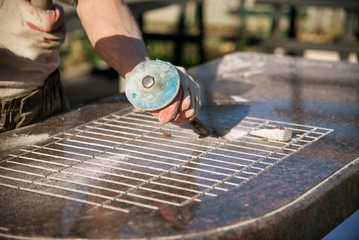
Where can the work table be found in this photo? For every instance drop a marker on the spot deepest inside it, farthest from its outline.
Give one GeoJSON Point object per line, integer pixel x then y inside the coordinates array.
{"type": "Point", "coordinates": [107, 171]}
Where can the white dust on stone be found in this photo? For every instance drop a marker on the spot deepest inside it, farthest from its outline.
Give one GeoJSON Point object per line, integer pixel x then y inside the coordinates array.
{"type": "Point", "coordinates": [22, 140]}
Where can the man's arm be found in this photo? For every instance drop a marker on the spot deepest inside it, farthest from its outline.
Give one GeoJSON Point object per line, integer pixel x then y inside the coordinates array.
{"type": "Point", "coordinates": [118, 41]}
{"type": "Point", "coordinates": [114, 33]}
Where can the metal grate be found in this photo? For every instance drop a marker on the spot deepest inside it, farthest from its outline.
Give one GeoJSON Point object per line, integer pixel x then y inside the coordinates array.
{"type": "Point", "coordinates": [129, 159]}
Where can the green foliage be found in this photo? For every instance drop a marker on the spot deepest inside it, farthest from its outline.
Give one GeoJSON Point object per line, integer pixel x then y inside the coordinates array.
{"type": "Point", "coordinates": [88, 50]}
{"type": "Point", "coordinates": [77, 49]}
{"type": "Point", "coordinates": [158, 49]}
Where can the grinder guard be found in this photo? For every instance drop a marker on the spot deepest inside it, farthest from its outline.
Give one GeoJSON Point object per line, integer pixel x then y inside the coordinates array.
{"type": "Point", "coordinates": [151, 97]}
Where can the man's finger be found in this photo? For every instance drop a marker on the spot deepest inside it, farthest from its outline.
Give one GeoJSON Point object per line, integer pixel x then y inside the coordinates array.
{"type": "Point", "coordinates": [168, 113]}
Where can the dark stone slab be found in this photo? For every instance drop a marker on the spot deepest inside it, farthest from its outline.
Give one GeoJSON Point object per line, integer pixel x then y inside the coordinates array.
{"type": "Point", "coordinates": [303, 195]}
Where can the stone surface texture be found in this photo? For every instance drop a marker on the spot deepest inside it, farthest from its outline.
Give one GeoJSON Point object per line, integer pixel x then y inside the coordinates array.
{"type": "Point", "coordinates": [304, 196]}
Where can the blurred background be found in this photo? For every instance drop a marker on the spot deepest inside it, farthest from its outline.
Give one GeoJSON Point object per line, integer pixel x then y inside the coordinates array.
{"type": "Point", "coordinates": [190, 32]}
{"type": "Point", "coordinates": [235, 25]}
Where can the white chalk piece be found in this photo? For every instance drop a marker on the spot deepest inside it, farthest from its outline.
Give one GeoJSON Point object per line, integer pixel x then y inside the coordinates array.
{"type": "Point", "coordinates": [278, 133]}
{"type": "Point", "coordinates": [230, 134]}
{"type": "Point", "coordinates": [239, 99]}
{"type": "Point", "coordinates": [234, 134]}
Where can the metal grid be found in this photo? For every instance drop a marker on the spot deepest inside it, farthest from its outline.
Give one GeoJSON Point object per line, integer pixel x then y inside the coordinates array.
{"type": "Point", "coordinates": [128, 159]}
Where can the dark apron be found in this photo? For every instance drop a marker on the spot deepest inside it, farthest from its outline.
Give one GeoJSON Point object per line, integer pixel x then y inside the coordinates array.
{"type": "Point", "coordinates": [34, 106]}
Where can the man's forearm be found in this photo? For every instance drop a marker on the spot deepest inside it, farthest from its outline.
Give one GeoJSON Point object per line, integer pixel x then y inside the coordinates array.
{"type": "Point", "coordinates": [113, 33]}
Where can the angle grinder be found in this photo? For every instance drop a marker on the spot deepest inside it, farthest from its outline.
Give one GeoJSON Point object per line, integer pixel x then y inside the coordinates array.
{"type": "Point", "coordinates": [152, 85]}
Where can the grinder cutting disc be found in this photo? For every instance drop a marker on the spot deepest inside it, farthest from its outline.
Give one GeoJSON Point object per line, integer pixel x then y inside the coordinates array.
{"type": "Point", "coordinates": [152, 85]}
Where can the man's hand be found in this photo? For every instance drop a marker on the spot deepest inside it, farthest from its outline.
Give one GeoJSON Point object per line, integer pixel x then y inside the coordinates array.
{"type": "Point", "coordinates": [186, 104]}
{"type": "Point", "coordinates": [30, 32]}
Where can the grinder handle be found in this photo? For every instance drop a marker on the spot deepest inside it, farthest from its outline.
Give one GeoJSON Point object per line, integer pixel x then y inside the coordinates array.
{"type": "Point", "coordinates": [42, 4]}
